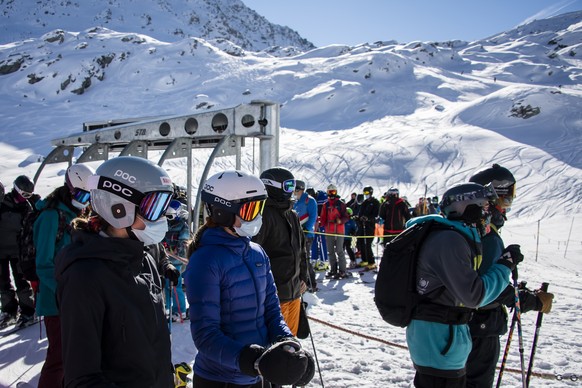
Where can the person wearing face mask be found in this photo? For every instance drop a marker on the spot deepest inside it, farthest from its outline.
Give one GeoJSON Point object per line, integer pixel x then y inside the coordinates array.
{"type": "Point", "coordinates": [109, 291]}
{"type": "Point", "coordinates": [281, 236]}
{"type": "Point", "coordinates": [490, 322]}
{"type": "Point", "coordinates": [448, 277]}
{"type": "Point", "coordinates": [61, 206]}
{"type": "Point", "coordinates": [15, 207]}
{"type": "Point", "coordinates": [234, 309]}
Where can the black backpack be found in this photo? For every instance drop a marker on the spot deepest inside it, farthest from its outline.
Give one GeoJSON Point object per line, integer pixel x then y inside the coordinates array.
{"type": "Point", "coordinates": [395, 290]}
{"type": "Point", "coordinates": [27, 260]}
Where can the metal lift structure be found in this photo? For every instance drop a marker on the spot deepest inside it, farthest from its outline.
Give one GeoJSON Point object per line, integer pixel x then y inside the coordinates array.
{"type": "Point", "coordinates": [223, 130]}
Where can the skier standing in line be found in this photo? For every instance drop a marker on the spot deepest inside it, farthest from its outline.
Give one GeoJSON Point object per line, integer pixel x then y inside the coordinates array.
{"type": "Point", "coordinates": [490, 321]}
{"type": "Point", "coordinates": [234, 308]}
{"type": "Point", "coordinates": [109, 290]}
{"type": "Point", "coordinates": [438, 336]}
{"type": "Point", "coordinates": [70, 199]}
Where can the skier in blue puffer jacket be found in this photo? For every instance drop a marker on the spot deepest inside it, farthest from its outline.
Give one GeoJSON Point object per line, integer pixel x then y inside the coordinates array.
{"type": "Point", "coordinates": [234, 308]}
{"type": "Point", "coordinates": [438, 337]}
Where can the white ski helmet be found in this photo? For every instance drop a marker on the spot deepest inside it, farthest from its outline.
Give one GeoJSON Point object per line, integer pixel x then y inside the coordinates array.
{"type": "Point", "coordinates": [128, 184]}
{"type": "Point", "coordinates": [231, 193]}
{"type": "Point", "coordinates": [77, 179]}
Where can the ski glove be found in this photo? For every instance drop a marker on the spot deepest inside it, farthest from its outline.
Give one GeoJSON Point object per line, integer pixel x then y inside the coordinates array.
{"type": "Point", "coordinates": [172, 274]}
{"type": "Point", "coordinates": [283, 363]}
{"type": "Point", "coordinates": [511, 256]}
{"type": "Point", "coordinates": [247, 358]}
{"type": "Point", "coordinates": [309, 372]}
{"type": "Point", "coordinates": [545, 300]}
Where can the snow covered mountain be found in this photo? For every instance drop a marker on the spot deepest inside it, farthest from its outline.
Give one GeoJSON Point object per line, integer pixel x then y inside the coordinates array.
{"type": "Point", "coordinates": [420, 116]}
{"type": "Point", "coordinates": [164, 20]}
{"type": "Point", "coordinates": [403, 110]}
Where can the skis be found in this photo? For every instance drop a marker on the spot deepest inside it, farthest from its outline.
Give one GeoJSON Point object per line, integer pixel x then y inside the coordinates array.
{"type": "Point", "coordinates": [15, 328]}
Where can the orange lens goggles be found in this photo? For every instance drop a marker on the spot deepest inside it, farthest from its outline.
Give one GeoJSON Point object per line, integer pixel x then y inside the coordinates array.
{"type": "Point", "coordinates": [331, 192]}
{"type": "Point", "coordinates": [250, 210]}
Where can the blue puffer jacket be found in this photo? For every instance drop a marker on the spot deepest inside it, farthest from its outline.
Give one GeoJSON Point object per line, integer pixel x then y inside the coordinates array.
{"type": "Point", "coordinates": [447, 259]}
{"type": "Point", "coordinates": [233, 303]}
{"type": "Point", "coordinates": [45, 232]}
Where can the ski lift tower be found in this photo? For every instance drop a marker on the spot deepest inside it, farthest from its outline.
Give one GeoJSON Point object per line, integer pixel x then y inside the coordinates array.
{"type": "Point", "coordinates": [223, 130]}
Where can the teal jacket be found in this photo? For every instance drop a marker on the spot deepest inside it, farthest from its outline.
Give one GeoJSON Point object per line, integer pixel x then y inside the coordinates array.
{"type": "Point", "coordinates": [447, 259]}
{"type": "Point", "coordinates": [45, 232]}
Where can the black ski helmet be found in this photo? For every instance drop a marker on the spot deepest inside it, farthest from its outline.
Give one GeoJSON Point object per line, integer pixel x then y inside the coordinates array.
{"type": "Point", "coordinates": [280, 183]}
{"type": "Point", "coordinates": [368, 190]}
{"type": "Point", "coordinates": [501, 179]}
{"type": "Point", "coordinates": [299, 185]}
{"type": "Point", "coordinates": [465, 201]}
{"type": "Point", "coordinates": [24, 186]}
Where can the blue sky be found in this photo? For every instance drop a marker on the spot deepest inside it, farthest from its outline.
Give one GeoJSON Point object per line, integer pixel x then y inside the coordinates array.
{"type": "Point", "coordinates": [325, 22]}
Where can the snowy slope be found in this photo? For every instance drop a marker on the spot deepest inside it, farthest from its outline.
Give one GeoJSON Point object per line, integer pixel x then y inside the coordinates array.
{"type": "Point", "coordinates": [420, 116]}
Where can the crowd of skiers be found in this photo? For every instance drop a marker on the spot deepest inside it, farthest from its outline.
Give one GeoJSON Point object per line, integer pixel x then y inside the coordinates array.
{"type": "Point", "coordinates": [108, 277]}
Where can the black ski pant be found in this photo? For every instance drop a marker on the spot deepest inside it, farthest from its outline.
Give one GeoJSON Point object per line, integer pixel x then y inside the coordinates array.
{"type": "Point", "coordinates": [9, 298]}
{"type": "Point", "coordinates": [482, 362]}
{"type": "Point", "coordinates": [422, 380]}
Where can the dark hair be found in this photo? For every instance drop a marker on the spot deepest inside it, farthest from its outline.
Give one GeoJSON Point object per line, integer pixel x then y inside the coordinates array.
{"type": "Point", "coordinates": [195, 242]}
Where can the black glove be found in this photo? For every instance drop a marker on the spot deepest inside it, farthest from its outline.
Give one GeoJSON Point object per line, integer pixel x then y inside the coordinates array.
{"type": "Point", "coordinates": [247, 358]}
{"type": "Point", "coordinates": [283, 363]}
{"type": "Point", "coordinates": [309, 372]}
{"type": "Point", "coordinates": [511, 256]}
{"type": "Point", "coordinates": [172, 274]}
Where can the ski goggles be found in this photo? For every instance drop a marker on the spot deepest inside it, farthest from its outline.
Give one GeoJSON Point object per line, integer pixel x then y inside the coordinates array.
{"type": "Point", "coordinates": [287, 186]}
{"type": "Point", "coordinates": [332, 192]}
{"type": "Point", "coordinates": [248, 211]}
{"type": "Point", "coordinates": [154, 204]}
{"type": "Point", "coordinates": [80, 195]}
{"type": "Point", "coordinates": [23, 194]}
{"type": "Point", "coordinates": [151, 205]}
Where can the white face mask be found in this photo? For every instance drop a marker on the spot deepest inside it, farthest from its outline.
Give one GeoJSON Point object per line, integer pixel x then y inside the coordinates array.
{"type": "Point", "coordinates": [153, 233]}
{"type": "Point", "coordinates": [250, 228]}
{"type": "Point", "coordinates": [79, 205]}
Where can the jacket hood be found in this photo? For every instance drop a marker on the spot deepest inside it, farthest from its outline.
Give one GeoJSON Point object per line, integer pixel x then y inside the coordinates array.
{"type": "Point", "coordinates": [85, 245]}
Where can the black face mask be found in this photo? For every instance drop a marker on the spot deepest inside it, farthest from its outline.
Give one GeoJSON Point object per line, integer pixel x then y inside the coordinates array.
{"type": "Point", "coordinates": [473, 214]}
{"type": "Point", "coordinates": [497, 217]}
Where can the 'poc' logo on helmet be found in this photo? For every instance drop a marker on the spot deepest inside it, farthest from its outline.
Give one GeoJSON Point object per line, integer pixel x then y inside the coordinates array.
{"type": "Point", "coordinates": [117, 188]}
{"type": "Point", "coordinates": [223, 202]}
{"type": "Point", "coordinates": [125, 176]}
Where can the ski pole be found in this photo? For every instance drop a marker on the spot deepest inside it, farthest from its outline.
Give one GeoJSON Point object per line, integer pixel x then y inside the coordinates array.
{"type": "Point", "coordinates": [519, 332]}
{"type": "Point", "coordinates": [169, 284]}
{"type": "Point", "coordinates": [315, 356]}
{"type": "Point", "coordinates": [506, 351]}
{"type": "Point", "coordinates": [535, 339]}
{"type": "Point", "coordinates": [178, 305]}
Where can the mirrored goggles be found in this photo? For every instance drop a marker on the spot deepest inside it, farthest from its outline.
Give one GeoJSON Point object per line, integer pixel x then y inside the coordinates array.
{"type": "Point", "coordinates": [23, 194]}
{"type": "Point", "coordinates": [366, 192]}
{"type": "Point", "coordinates": [154, 204]}
{"type": "Point", "coordinates": [248, 211]}
{"type": "Point", "coordinates": [332, 192]}
{"type": "Point", "coordinates": [287, 186]}
{"type": "Point", "coordinates": [81, 196]}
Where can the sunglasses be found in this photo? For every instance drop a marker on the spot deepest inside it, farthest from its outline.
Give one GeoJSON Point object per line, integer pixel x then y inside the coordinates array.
{"type": "Point", "coordinates": [81, 196]}
{"type": "Point", "coordinates": [248, 211]}
{"type": "Point", "coordinates": [154, 204]}
{"type": "Point", "coordinates": [287, 186]}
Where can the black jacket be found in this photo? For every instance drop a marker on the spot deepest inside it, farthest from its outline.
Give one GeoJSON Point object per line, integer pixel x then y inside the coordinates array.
{"type": "Point", "coordinates": [112, 317]}
{"type": "Point", "coordinates": [282, 239]}
{"type": "Point", "coordinates": [11, 216]}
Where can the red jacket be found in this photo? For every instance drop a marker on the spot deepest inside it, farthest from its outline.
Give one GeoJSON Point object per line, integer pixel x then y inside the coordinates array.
{"type": "Point", "coordinates": [334, 216]}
